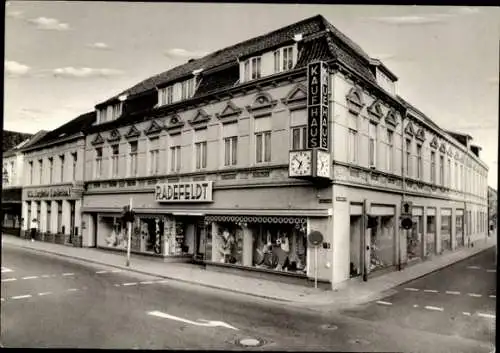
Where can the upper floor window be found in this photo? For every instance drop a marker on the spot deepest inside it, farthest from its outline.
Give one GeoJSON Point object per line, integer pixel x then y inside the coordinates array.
{"type": "Point", "coordinates": [61, 159]}
{"type": "Point", "coordinates": [448, 173]}
{"type": "Point", "coordinates": [390, 150]}
{"type": "Point", "coordinates": [40, 171]}
{"type": "Point", "coordinates": [299, 140]}
{"type": "Point", "coordinates": [98, 162]}
{"type": "Point", "coordinates": [31, 172]}
{"type": "Point", "coordinates": [420, 166]}
{"type": "Point", "coordinates": [283, 59]}
{"type": "Point", "coordinates": [372, 145]}
{"type": "Point", "coordinates": [352, 138]}
{"type": "Point", "coordinates": [263, 146]}
{"type": "Point", "coordinates": [74, 156]}
{"type": "Point", "coordinates": [441, 170]}
{"type": "Point", "coordinates": [252, 68]}
{"type": "Point", "coordinates": [433, 167]}
{"type": "Point", "coordinates": [230, 150]}
{"type": "Point", "coordinates": [408, 157]}
{"type": "Point", "coordinates": [109, 113]}
{"type": "Point", "coordinates": [154, 155]}
{"type": "Point", "coordinates": [201, 155]}
{"type": "Point", "coordinates": [175, 158]}
{"type": "Point", "coordinates": [51, 169]}
{"type": "Point", "coordinates": [114, 160]}
{"type": "Point", "coordinates": [133, 158]}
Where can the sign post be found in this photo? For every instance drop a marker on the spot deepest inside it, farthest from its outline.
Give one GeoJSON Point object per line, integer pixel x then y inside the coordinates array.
{"type": "Point", "coordinates": [315, 238]}
{"type": "Point", "coordinates": [129, 231]}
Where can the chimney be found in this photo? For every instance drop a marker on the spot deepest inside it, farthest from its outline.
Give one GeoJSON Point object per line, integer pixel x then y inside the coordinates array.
{"type": "Point", "coordinates": [297, 37]}
{"type": "Point", "coordinates": [191, 60]}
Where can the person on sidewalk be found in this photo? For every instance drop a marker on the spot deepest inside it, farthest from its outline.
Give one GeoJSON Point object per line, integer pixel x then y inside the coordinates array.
{"type": "Point", "coordinates": [34, 228]}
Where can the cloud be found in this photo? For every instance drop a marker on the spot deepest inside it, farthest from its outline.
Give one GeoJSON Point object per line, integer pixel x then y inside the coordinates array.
{"type": "Point", "coordinates": [411, 20]}
{"type": "Point", "coordinates": [178, 53]}
{"type": "Point", "coordinates": [84, 72]}
{"type": "Point", "coordinates": [49, 24]}
{"type": "Point", "coordinates": [15, 69]}
{"type": "Point", "coordinates": [98, 45]}
{"type": "Point", "coordinates": [14, 14]}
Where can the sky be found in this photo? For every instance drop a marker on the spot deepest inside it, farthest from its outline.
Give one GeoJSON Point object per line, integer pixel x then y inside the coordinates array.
{"type": "Point", "coordinates": [62, 58]}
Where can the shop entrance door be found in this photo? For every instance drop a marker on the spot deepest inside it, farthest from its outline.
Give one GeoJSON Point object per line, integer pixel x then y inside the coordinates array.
{"type": "Point", "coordinates": [355, 262]}
{"type": "Point", "coordinates": [72, 221]}
{"type": "Point", "coordinates": [200, 239]}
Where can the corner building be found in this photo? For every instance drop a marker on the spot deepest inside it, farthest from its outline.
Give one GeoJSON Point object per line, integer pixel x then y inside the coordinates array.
{"type": "Point", "coordinates": [205, 152]}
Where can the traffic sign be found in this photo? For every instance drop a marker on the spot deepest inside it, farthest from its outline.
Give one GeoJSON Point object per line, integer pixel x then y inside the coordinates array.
{"type": "Point", "coordinates": [315, 238]}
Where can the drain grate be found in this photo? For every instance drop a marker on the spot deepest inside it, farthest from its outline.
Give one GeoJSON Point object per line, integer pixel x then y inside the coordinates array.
{"type": "Point", "coordinates": [250, 342]}
{"type": "Point", "coordinates": [330, 327]}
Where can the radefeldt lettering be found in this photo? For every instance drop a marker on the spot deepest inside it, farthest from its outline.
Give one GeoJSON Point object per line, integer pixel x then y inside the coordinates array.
{"type": "Point", "coordinates": [184, 192]}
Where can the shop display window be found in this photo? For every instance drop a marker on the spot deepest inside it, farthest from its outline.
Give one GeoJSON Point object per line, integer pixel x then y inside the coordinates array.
{"type": "Point", "coordinates": [281, 247]}
{"type": "Point", "coordinates": [445, 233]}
{"type": "Point", "coordinates": [111, 233]}
{"type": "Point", "coordinates": [413, 239]}
{"type": "Point", "coordinates": [459, 231]}
{"type": "Point", "coordinates": [150, 231]}
{"type": "Point", "coordinates": [430, 238]}
{"type": "Point", "coordinates": [230, 244]}
{"type": "Point", "coordinates": [382, 242]}
{"type": "Point", "coordinates": [179, 235]}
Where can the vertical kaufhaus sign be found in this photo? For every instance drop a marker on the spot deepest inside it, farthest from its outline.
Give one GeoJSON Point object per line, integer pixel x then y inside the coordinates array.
{"type": "Point", "coordinates": [317, 105]}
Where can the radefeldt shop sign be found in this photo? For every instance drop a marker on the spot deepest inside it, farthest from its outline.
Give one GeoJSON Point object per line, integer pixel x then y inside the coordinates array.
{"type": "Point", "coordinates": [317, 105]}
{"type": "Point", "coordinates": [196, 191]}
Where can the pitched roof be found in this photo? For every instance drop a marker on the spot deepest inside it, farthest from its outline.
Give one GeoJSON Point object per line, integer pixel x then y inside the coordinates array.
{"type": "Point", "coordinates": [78, 125]}
{"type": "Point", "coordinates": [11, 139]}
{"type": "Point", "coordinates": [231, 54]}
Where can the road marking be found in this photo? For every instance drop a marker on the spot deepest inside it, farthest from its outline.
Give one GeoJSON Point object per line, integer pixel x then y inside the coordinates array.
{"type": "Point", "coordinates": [474, 267]}
{"type": "Point", "coordinates": [491, 270]}
{"type": "Point", "coordinates": [493, 296]}
{"type": "Point", "coordinates": [452, 292]}
{"type": "Point", "coordinates": [466, 313]}
{"type": "Point", "coordinates": [117, 285]}
{"type": "Point", "coordinates": [45, 276]}
{"type": "Point", "coordinates": [431, 291]}
{"type": "Point", "coordinates": [489, 316]}
{"type": "Point", "coordinates": [197, 323]}
{"type": "Point", "coordinates": [2, 299]}
{"type": "Point", "coordinates": [5, 270]}
{"type": "Point", "coordinates": [130, 284]}
{"type": "Point", "coordinates": [102, 271]}
{"type": "Point", "coordinates": [115, 271]}
{"type": "Point", "coordinates": [68, 274]}
{"type": "Point", "coordinates": [383, 303]}
{"type": "Point", "coordinates": [435, 308]}
{"type": "Point", "coordinates": [412, 289]}
{"type": "Point", "coordinates": [146, 282]}
{"type": "Point", "coordinates": [21, 296]}
{"type": "Point", "coordinates": [415, 305]}
{"type": "Point", "coordinates": [474, 295]}
{"type": "Point", "coordinates": [44, 293]}
{"type": "Point", "coordinates": [30, 277]}
{"type": "Point", "coordinates": [9, 279]}
{"type": "Point", "coordinates": [162, 281]}
{"type": "Point", "coordinates": [72, 289]}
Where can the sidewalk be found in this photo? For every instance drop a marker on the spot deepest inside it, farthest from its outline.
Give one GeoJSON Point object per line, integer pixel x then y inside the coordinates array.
{"type": "Point", "coordinates": [351, 292]}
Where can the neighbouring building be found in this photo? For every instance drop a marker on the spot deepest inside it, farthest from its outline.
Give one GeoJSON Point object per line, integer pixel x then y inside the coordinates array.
{"type": "Point", "coordinates": [492, 208]}
{"type": "Point", "coordinates": [11, 139]}
{"type": "Point", "coordinates": [53, 182]}
{"type": "Point", "coordinates": [269, 156]}
{"type": "Point", "coordinates": [12, 183]}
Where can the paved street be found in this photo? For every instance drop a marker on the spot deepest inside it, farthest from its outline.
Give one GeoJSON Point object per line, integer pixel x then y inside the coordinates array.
{"type": "Point", "coordinates": [50, 301]}
{"type": "Point", "coordinates": [459, 300]}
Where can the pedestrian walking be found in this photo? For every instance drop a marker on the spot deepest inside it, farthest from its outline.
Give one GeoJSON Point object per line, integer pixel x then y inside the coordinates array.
{"type": "Point", "coordinates": [34, 228]}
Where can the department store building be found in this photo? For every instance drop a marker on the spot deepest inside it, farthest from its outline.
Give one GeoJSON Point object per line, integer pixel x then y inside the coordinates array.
{"type": "Point", "coordinates": [233, 159]}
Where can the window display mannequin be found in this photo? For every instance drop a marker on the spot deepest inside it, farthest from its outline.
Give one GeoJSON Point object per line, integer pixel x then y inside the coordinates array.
{"type": "Point", "coordinates": [144, 236]}
{"type": "Point", "coordinates": [156, 247]}
{"type": "Point", "coordinates": [227, 248]}
{"type": "Point", "coordinates": [282, 251]}
{"type": "Point", "coordinates": [111, 239]}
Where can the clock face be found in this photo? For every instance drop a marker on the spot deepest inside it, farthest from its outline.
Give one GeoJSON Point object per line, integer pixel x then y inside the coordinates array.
{"type": "Point", "coordinates": [323, 164]}
{"type": "Point", "coordinates": [300, 163]}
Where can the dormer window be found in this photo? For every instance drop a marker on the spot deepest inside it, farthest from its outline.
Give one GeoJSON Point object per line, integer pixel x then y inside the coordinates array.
{"type": "Point", "coordinates": [176, 92]}
{"type": "Point", "coordinates": [283, 59]}
{"type": "Point", "coordinates": [166, 95]}
{"type": "Point", "coordinates": [109, 113]}
{"type": "Point", "coordinates": [253, 68]}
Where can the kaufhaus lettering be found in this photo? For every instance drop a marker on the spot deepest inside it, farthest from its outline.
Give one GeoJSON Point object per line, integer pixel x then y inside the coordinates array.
{"type": "Point", "coordinates": [317, 101]}
{"type": "Point", "coordinates": [184, 192]}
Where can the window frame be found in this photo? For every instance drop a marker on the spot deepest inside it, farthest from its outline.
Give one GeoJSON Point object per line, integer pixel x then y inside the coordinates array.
{"type": "Point", "coordinates": [420, 165]}
{"type": "Point", "coordinates": [433, 167]}
{"type": "Point", "coordinates": [230, 151]}
{"type": "Point", "coordinates": [200, 155]}
{"type": "Point", "coordinates": [115, 160]}
{"type": "Point", "coordinates": [133, 168]}
{"type": "Point", "coordinates": [390, 150]}
{"type": "Point", "coordinates": [263, 147]}
{"type": "Point", "coordinates": [175, 158]}
{"type": "Point", "coordinates": [441, 169]}
{"type": "Point", "coordinates": [98, 163]}
{"type": "Point", "coordinates": [154, 155]}
{"type": "Point", "coordinates": [301, 138]}
{"type": "Point", "coordinates": [372, 145]}
{"type": "Point", "coordinates": [62, 159]}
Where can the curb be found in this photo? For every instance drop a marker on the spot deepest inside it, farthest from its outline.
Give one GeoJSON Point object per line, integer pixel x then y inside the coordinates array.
{"type": "Point", "coordinates": [158, 275]}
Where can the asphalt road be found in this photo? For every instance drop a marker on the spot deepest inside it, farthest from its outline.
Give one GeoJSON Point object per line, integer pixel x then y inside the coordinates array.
{"type": "Point", "coordinates": [459, 300]}
{"type": "Point", "coordinates": [50, 301]}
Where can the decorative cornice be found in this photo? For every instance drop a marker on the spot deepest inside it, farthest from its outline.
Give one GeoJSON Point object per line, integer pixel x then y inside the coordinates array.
{"type": "Point", "coordinates": [392, 117]}
{"type": "Point", "coordinates": [409, 129]}
{"type": "Point", "coordinates": [263, 103]}
{"type": "Point", "coordinates": [420, 135]}
{"type": "Point", "coordinates": [450, 152]}
{"type": "Point", "coordinates": [230, 113]}
{"type": "Point", "coordinates": [114, 136]}
{"type": "Point", "coordinates": [174, 124]}
{"type": "Point", "coordinates": [98, 140]}
{"type": "Point", "coordinates": [133, 132]}
{"type": "Point", "coordinates": [200, 119]}
{"type": "Point", "coordinates": [442, 148]}
{"type": "Point", "coordinates": [154, 128]}
{"type": "Point", "coordinates": [375, 110]}
{"type": "Point", "coordinates": [434, 143]}
{"type": "Point", "coordinates": [355, 100]}
{"type": "Point", "coordinates": [297, 95]}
